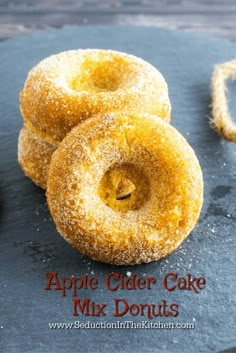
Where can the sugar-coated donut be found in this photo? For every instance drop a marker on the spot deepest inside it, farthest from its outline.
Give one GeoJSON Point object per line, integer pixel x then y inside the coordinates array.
{"type": "Point", "coordinates": [67, 88]}
{"type": "Point", "coordinates": [125, 188]}
{"type": "Point", "coordinates": [34, 155]}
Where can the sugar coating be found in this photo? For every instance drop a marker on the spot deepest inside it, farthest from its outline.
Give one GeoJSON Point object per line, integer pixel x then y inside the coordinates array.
{"type": "Point", "coordinates": [125, 235]}
{"type": "Point", "coordinates": [34, 155]}
{"type": "Point", "coordinates": [68, 88]}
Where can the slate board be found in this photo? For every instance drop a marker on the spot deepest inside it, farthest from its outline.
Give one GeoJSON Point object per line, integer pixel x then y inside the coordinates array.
{"type": "Point", "coordinates": [30, 245]}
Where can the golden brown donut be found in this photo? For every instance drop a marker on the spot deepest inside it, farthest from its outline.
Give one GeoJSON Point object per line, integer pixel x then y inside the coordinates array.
{"type": "Point", "coordinates": [102, 157]}
{"type": "Point", "coordinates": [67, 88]}
{"type": "Point", "coordinates": [34, 155]}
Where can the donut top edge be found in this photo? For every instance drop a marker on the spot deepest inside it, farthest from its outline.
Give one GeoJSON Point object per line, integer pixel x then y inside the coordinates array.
{"type": "Point", "coordinates": [57, 58]}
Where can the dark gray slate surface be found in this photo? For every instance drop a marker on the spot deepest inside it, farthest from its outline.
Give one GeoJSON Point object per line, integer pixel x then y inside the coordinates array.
{"type": "Point", "coordinates": [30, 245]}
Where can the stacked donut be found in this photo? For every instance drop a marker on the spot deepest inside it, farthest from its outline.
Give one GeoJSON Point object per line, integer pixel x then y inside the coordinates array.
{"type": "Point", "coordinates": [123, 186]}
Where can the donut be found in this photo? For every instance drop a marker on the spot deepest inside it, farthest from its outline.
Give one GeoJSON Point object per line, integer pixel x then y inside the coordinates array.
{"type": "Point", "coordinates": [124, 188]}
{"type": "Point", "coordinates": [34, 155]}
{"type": "Point", "coordinates": [67, 88]}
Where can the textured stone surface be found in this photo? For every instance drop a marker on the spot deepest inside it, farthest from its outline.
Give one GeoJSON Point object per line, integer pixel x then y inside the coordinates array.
{"type": "Point", "coordinates": [30, 245]}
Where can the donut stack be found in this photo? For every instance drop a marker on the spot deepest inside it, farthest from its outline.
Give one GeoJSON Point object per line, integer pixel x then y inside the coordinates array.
{"type": "Point", "coordinates": [123, 186]}
{"type": "Point", "coordinates": [66, 89]}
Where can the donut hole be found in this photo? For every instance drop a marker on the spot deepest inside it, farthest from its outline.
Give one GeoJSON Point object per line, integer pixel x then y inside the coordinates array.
{"type": "Point", "coordinates": [106, 84]}
{"type": "Point", "coordinates": [102, 75]}
{"type": "Point", "coordinates": [95, 83]}
{"type": "Point", "coordinates": [124, 187]}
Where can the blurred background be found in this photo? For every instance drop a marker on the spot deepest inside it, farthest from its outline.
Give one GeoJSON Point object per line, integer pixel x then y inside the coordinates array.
{"type": "Point", "coordinates": [216, 17]}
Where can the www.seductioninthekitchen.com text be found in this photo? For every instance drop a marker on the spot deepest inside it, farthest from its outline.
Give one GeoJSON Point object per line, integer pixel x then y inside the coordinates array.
{"type": "Point", "coordinates": [121, 325]}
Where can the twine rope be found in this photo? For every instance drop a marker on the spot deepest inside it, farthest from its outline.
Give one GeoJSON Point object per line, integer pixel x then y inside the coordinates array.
{"type": "Point", "coordinates": [221, 120]}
